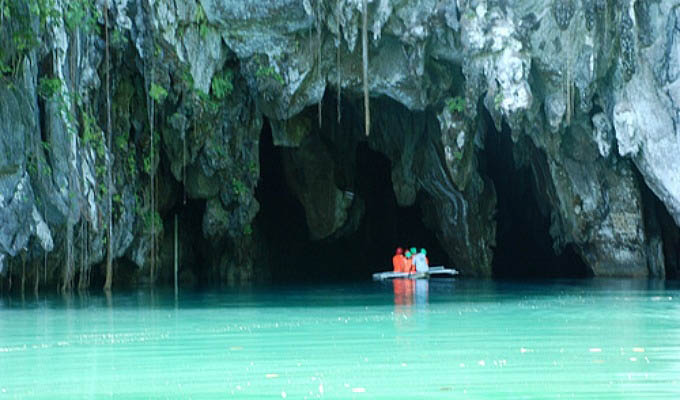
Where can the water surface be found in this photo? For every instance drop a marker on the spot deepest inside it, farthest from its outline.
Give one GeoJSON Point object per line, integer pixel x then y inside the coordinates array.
{"type": "Point", "coordinates": [448, 339]}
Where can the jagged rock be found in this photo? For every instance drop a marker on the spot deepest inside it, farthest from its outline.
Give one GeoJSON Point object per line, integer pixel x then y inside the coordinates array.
{"type": "Point", "coordinates": [310, 173]}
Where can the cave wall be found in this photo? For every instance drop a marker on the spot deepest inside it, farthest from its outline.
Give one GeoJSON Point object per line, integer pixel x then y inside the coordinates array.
{"type": "Point", "coordinates": [588, 90]}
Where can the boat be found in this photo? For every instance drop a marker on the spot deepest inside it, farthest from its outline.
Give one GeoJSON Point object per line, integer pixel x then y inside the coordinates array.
{"type": "Point", "coordinates": [439, 270]}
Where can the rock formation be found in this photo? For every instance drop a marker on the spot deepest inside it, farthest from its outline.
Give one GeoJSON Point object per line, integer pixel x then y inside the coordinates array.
{"type": "Point", "coordinates": [589, 92]}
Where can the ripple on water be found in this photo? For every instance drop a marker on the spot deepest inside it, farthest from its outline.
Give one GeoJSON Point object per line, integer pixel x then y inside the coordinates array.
{"type": "Point", "coordinates": [466, 339]}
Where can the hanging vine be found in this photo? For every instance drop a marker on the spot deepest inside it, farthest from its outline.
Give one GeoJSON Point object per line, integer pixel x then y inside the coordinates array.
{"type": "Point", "coordinates": [338, 41]}
{"type": "Point", "coordinates": [319, 22]}
{"type": "Point", "coordinates": [364, 45]}
{"type": "Point", "coordinates": [109, 180]}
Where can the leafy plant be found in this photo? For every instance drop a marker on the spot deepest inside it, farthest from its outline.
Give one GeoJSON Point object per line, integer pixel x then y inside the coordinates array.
{"type": "Point", "coordinates": [48, 87]}
{"type": "Point", "coordinates": [118, 38]}
{"type": "Point", "coordinates": [202, 22]}
{"type": "Point", "coordinates": [132, 163]}
{"type": "Point", "coordinates": [238, 186]}
{"type": "Point", "coordinates": [121, 141]}
{"type": "Point", "coordinates": [82, 14]}
{"type": "Point", "coordinates": [207, 102]}
{"type": "Point", "coordinates": [269, 72]}
{"type": "Point", "coordinates": [455, 104]}
{"type": "Point", "coordinates": [157, 92]}
{"type": "Point", "coordinates": [222, 85]}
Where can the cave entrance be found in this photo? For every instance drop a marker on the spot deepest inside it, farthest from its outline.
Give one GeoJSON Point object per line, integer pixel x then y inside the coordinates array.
{"type": "Point", "coordinates": [524, 247]}
{"type": "Point", "coordinates": [293, 256]}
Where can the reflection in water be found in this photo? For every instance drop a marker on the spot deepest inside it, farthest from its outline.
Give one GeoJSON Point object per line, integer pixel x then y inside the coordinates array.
{"type": "Point", "coordinates": [403, 291]}
{"type": "Point", "coordinates": [422, 289]}
{"type": "Point", "coordinates": [408, 292]}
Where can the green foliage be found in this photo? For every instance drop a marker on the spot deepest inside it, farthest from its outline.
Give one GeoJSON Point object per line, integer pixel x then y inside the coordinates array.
{"type": "Point", "coordinates": [49, 87]}
{"type": "Point", "coordinates": [82, 14]}
{"type": "Point", "coordinates": [94, 137]}
{"type": "Point", "coordinates": [458, 155]}
{"type": "Point", "coordinates": [4, 68]}
{"type": "Point", "coordinates": [132, 163]}
{"type": "Point", "coordinates": [202, 22]}
{"type": "Point", "coordinates": [151, 220]}
{"type": "Point", "coordinates": [238, 186]}
{"type": "Point", "coordinates": [157, 92]}
{"type": "Point", "coordinates": [121, 141]}
{"type": "Point", "coordinates": [269, 72]}
{"type": "Point", "coordinates": [248, 230]}
{"type": "Point", "coordinates": [118, 39]}
{"type": "Point", "coordinates": [207, 103]}
{"type": "Point", "coordinates": [222, 85]}
{"type": "Point", "coordinates": [18, 23]}
{"type": "Point", "coordinates": [147, 164]}
{"type": "Point", "coordinates": [252, 167]}
{"type": "Point", "coordinates": [455, 104]}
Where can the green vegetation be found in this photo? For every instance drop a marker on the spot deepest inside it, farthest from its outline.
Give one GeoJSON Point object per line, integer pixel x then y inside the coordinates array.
{"type": "Point", "coordinates": [252, 167]}
{"type": "Point", "coordinates": [157, 92]}
{"type": "Point", "coordinates": [132, 163]}
{"type": "Point", "coordinates": [222, 85]}
{"type": "Point", "coordinates": [269, 72]}
{"type": "Point", "coordinates": [152, 222]}
{"type": "Point", "coordinates": [18, 22]}
{"type": "Point", "coordinates": [82, 14]}
{"type": "Point", "coordinates": [119, 39]}
{"type": "Point", "coordinates": [121, 141]}
{"type": "Point", "coordinates": [201, 21]}
{"type": "Point", "coordinates": [206, 102]}
{"type": "Point", "coordinates": [49, 87]}
{"type": "Point", "coordinates": [248, 230]}
{"type": "Point", "coordinates": [93, 136]}
{"type": "Point", "coordinates": [238, 186]}
{"type": "Point", "coordinates": [455, 104]}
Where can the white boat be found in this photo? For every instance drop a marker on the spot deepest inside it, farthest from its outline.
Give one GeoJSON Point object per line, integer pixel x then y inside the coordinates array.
{"type": "Point", "coordinates": [440, 270]}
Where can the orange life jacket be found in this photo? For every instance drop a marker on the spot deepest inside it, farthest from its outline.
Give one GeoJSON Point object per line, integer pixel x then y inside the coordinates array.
{"type": "Point", "coordinates": [408, 264]}
{"type": "Point", "coordinates": [397, 262]}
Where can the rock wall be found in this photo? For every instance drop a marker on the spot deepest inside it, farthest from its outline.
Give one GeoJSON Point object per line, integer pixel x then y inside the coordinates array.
{"type": "Point", "coordinates": [588, 90]}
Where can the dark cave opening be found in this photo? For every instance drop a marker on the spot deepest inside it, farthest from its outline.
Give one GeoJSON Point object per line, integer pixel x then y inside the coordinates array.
{"type": "Point", "coordinates": [660, 224]}
{"type": "Point", "coordinates": [293, 256]}
{"type": "Point", "coordinates": [524, 247]}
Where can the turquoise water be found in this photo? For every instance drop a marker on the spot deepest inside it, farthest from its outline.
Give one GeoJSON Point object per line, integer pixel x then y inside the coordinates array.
{"type": "Point", "coordinates": [446, 339]}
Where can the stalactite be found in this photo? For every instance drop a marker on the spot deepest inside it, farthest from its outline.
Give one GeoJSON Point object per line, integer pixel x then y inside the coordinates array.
{"type": "Point", "coordinates": [364, 42]}
{"type": "Point", "coordinates": [109, 180]}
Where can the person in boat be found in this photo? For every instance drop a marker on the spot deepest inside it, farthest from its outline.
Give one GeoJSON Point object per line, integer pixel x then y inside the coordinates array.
{"type": "Point", "coordinates": [408, 262]}
{"type": "Point", "coordinates": [420, 261]}
{"type": "Point", "coordinates": [398, 260]}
